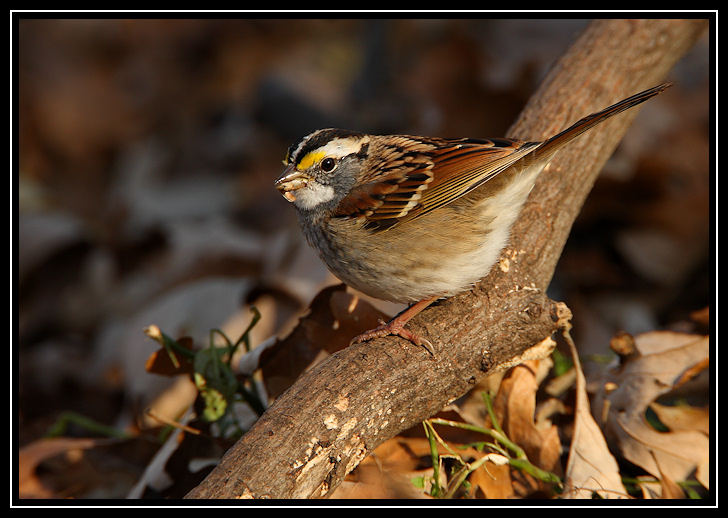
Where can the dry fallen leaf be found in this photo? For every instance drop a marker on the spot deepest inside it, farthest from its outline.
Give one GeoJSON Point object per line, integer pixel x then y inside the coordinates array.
{"type": "Point", "coordinates": [333, 319]}
{"type": "Point", "coordinates": [30, 485]}
{"type": "Point", "coordinates": [388, 472]}
{"type": "Point", "coordinates": [683, 417]}
{"type": "Point", "coordinates": [516, 404]}
{"type": "Point", "coordinates": [494, 481]}
{"type": "Point", "coordinates": [167, 363]}
{"type": "Point", "coordinates": [662, 363]}
{"type": "Point", "coordinates": [591, 468]}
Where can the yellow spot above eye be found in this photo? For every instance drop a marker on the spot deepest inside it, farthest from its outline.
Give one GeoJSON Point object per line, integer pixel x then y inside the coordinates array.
{"type": "Point", "coordinates": [310, 159]}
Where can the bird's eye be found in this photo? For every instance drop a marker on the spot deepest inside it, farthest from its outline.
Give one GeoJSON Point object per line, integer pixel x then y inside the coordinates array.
{"type": "Point", "coordinates": [328, 164]}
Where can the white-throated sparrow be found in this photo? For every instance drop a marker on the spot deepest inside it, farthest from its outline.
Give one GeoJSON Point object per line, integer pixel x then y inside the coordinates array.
{"type": "Point", "coordinates": [413, 219]}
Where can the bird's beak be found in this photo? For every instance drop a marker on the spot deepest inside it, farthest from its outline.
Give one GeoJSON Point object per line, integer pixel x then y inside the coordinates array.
{"type": "Point", "coordinates": [290, 181]}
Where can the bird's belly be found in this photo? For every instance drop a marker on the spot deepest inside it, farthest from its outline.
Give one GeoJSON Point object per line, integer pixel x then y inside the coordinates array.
{"type": "Point", "coordinates": [440, 255]}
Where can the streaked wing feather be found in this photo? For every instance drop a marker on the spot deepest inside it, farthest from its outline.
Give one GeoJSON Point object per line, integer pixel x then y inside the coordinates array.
{"type": "Point", "coordinates": [459, 167]}
{"type": "Point", "coordinates": [465, 168]}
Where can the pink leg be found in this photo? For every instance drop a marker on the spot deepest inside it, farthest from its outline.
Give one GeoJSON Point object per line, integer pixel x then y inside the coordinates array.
{"type": "Point", "coordinates": [396, 326]}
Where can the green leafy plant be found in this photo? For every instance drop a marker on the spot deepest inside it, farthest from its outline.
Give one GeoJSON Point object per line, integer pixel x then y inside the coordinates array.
{"type": "Point", "coordinates": [500, 450]}
{"type": "Point", "coordinates": [210, 368]}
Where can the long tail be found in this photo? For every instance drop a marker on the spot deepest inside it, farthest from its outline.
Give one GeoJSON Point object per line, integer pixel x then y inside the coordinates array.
{"type": "Point", "coordinates": [552, 145]}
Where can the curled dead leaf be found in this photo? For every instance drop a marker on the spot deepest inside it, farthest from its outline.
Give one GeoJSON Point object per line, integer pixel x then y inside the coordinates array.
{"type": "Point", "coordinates": [166, 363]}
{"type": "Point", "coordinates": [332, 320]}
{"type": "Point", "coordinates": [661, 366]}
{"type": "Point", "coordinates": [591, 467]}
{"type": "Point", "coordinates": [515, 403]}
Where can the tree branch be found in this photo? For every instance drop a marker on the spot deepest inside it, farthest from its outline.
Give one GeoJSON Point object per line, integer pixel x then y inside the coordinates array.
{"type": "Point", "coordinates": [344, 407]}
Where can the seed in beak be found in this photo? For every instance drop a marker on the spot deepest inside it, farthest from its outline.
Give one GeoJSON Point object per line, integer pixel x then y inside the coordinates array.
{"type": "Point", "coordinates": [289, 182]}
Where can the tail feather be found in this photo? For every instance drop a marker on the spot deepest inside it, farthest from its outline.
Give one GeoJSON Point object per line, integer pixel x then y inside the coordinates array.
{"type": "Point", "coordinates": [552, 145]}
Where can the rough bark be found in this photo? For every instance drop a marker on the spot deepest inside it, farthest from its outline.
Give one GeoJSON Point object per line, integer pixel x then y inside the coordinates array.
{"type": "Point", "coordinates": [342, 409]}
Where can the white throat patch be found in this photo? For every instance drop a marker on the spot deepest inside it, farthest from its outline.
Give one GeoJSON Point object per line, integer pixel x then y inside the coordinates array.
{"type": "Point", "coordinates": [313, 195]}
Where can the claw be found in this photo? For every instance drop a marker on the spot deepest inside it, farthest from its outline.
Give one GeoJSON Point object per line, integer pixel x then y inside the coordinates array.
{"type": "Point", "coordinates": [396, 327]}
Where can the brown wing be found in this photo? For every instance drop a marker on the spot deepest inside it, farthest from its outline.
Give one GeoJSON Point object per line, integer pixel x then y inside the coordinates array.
{"type": "Point", "coordinates": [420, 175]}
{"type": "Point", "coordinates": [417, 175]}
